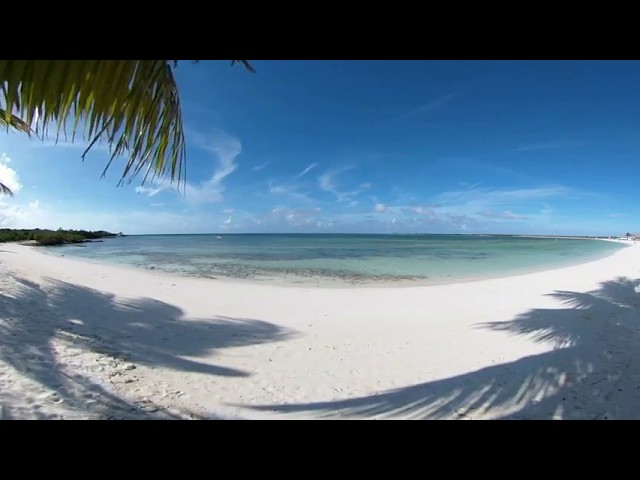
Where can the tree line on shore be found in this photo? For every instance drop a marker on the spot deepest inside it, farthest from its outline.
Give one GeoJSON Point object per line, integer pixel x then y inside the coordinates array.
{"type": "Point", "coordinates": [52, 237]}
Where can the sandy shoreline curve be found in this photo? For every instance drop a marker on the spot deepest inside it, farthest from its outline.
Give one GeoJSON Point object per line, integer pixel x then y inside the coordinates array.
{"type": "Point", "coordinates": [87, 340]}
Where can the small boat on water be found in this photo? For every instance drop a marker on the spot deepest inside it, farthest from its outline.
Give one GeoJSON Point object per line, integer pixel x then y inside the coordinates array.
{"type": "Point", "coordinates": [218, 236]}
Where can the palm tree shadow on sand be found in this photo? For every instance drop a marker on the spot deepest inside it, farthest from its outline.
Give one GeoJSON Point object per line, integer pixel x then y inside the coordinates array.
{"type": "Point", "coordinates": [140, 331]}
{"type": "Point", "coordinates": [593, 371]}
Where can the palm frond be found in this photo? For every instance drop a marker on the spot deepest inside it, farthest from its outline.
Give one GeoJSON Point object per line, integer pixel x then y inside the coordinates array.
{"type": "Point", "coordinates": [245, 63]}
{"type": "Point", "coordinates": [4, 190]}
{"type": "Point", "coordinates": [11, 121]}
{"type": "Point", "coordinates": [132, 104]}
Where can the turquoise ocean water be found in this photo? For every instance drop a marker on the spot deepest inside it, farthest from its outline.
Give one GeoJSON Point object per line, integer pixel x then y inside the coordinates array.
{"type": "Point", "coordinates": [341, 259]}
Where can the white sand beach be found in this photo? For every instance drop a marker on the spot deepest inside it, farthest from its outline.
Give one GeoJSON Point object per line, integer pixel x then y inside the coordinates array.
{"type": "Point", "coordinates": [84, 340]}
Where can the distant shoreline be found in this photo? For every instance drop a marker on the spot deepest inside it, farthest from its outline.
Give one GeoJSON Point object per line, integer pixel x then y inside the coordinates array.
{"type": "Point", "coordinates": [223, 234]}
{"type": "Point", "coordinates": [568, 237]}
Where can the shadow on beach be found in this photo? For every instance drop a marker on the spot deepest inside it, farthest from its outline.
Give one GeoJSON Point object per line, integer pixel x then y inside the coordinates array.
{"type": "Point", "coordinates": [593, 371]}
{"type": "Point", "coordinates": [118, 331]}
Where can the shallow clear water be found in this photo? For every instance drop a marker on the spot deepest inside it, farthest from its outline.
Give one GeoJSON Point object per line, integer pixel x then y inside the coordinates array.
{"type": "Point", "coordinates": [341, 259]}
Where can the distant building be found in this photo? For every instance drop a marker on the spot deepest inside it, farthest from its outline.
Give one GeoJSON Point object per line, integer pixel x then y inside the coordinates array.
{"type": "Point", "coordinates": [630, 236]}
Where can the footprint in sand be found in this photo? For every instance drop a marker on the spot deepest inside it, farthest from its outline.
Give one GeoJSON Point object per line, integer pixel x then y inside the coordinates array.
{"type": "Point", "coordinates": [52, 397]}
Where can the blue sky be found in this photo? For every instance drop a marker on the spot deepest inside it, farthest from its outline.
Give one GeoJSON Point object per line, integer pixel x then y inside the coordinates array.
{"type": "Point", "coordinates": [366, 146]}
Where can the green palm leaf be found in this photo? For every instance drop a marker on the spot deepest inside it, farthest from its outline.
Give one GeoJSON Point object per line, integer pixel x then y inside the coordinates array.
{"type": "Point", "coordinates": [131, 104]}
{"type": "Point", "coordinates": [11, 121]}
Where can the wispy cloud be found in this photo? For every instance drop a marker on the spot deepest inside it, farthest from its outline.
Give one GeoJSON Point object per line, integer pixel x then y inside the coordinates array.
{"type": "Point", "coordinates": [467, 165]}
{"type": "Point", "coordinates": [379, 208]}
{"type": "Point", "coordinates": [292, 217]}
{"type": "Point", "coordinates": [478, 209]}
{"type": "Point", "coordinates": [427, 108]}
{"type": "Point", "coordinates": [418, 210]}
{"type": "Point", "coordinates": [222, 145]}
{"type": "Point", "coordinates": [257, 168]}
{"type": "Point", "coordinates": [470, 186]}
{"type": "Point", "coordinates": [293, 189]}
{"type": "Point", "coordinates": [79, 144]}
{"type": "Point", "coordinates": [507, 215]}
{"type": "Point", "coordinates": [550, 146]}
{"type": "Point", "coordinates": [327, 183]}
{"type": "Point", "coordinates": [500, 197]}
{"type": "Point", "coordinates": [150, 191]}
{"type": "Point", "coordinates": [616, 215]}
{"type": "Point", "coordinates": [365, 186]}
{"type": "Point", "coordinates": [8, 176]}
{"type": "Point", "coordinates": [306, 170]}
{"type": "Point", "coordinates": [289, 190]}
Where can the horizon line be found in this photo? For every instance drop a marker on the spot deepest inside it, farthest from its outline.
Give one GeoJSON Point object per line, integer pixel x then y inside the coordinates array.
{"type": "Point", "coordinates": [382, 233]}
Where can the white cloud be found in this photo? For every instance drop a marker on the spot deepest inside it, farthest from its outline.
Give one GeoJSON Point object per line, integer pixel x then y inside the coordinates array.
{"type": "Point", "coordinates": [422, 210]}
{"type": "Point", "coordinates": [508, 215]}
{"type": "Point", "coordinates": [326, 182]}
{"type": "Point", "coordinates": [365, 185]}
{"type": "Point", "coordinates": [428, 107]}
{"type": "Point", "coordinates": [257, 168]}
{"type": "Point", "coordinates": [306, 170]}
{"type": "Point", "coordinates": [346, 196]}
{"type": "Point", "coordinates": [38, 215]}
{"type": "Point", "coordinates": [460, 221]}
{"type": "Point", "coordinates": [79, 144]}
{"type": "Point", "coordinates": [443, 217]}
{"type": "Point", "coordinates": [282, 216]}
{"type": "Point", "coordinates": [289, 190]}
{"type": "Point", "coordinates": [149, 191]}
{"type": "Point", "coordinates": [513, 216]}
{"type": "Point", "coordinates": [8, 176]}
{"type": "Point", "coordinates": [226, 148]}
{"type": "Point", "coordinates": [277, 189]}
{"type": "Point", "coordinates": [550, 146]}
{"type": "Point", "coordinates": [487, 196]}
{"type": "Point", "coordinates": [470, 186]}
{"type": "Point", "coordinates": [228, 221]}
{"type": "Point", "coordinates": [17, 215]}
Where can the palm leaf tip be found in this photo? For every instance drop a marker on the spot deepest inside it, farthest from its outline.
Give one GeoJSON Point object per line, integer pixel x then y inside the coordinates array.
{"type": "Point", "coordinates": [4, 190]}
{"type": "Point", "coordinates": [9, 121]}
{"type": "Point", "coordinates": [246, 65]}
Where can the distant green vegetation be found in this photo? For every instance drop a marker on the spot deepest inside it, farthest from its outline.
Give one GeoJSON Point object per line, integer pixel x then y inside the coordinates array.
{"type": "Point", "coordinates": [52, 237]}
